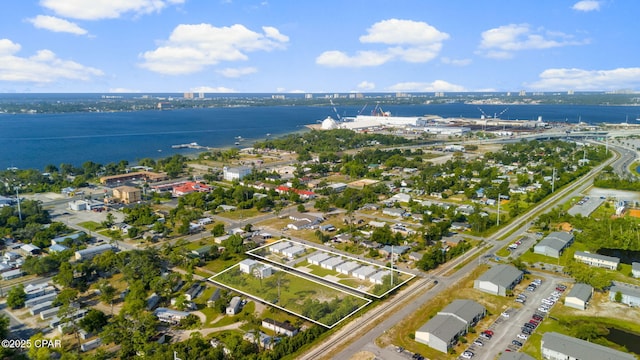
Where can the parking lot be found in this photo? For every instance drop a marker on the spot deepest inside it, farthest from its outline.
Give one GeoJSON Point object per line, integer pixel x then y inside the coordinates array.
{"type": "Point", "coordinates": [506, 328]}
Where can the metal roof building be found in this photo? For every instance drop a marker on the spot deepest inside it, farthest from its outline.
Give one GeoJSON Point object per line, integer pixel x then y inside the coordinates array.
{"type": "Point", "coordinates": [444, 329]}
{"type": "Point", "coordinates": [554, 244]}
{"type": "Point", "coordinates": [579, 296]}
{"type": "Point", "coordinates": [555, 346]}
{"type": "Point", "coordinates": [498, 279]}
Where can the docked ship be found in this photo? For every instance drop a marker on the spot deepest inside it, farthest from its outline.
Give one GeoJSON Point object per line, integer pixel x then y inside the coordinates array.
{"type": "Point", "coordinates": [193, 145]}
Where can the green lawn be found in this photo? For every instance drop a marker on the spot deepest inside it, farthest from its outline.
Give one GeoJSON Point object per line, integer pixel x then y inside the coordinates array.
{"type": "Point", "coordinates": [91, 226]}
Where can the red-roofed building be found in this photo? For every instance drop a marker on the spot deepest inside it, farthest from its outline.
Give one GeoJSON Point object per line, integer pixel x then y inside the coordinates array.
{"type": "Point", "coordinates": [304, 194]}
{"type": "Point", "coordinates": [190, 187]}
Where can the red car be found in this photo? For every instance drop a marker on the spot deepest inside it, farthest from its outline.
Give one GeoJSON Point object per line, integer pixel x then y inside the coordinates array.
{"type": "Point", "coordinates": [533, 322]}
{"type": "Point", "coordinates": [489, 332]}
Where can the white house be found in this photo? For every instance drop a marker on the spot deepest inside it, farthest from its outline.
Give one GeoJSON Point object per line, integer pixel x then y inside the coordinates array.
{"type": "Point", "coordinates": [318, 258]}
{"type": "Point", "coordinates": [235, 305]}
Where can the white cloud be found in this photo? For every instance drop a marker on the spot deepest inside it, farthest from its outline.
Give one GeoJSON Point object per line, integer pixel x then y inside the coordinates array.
{"type": "Point", "coordinates": [55, 24]}
{"type": "Point", "coordinates": [190, 48]}
{"type": "Point", "coordinates": [456, 62]}
{"type": "Point", "coordinates": [580, 79]}
{"type": "Point", "coordinates": [396, 31]}
{"type": "Point", "coordinates": [410, 41]}
{"type": "Point", "coordinates": [366, 85]}
{"type": "Point", "coordinates": [503, 41]}
{"type": "Point", "coordinates": [123, 90]}
{"type": "Point", "coordinates": [437, 85]}
{"type": "Point", "coordinates": [237, 72]}
{"type": "Point", "coordinates": [105, 9]}
{"type": "Point", "coordinates": [209, 89]}
{"type": "Point", "coordinates": [586, 5]}
{"type": "Point", "coordinates": [43, 67]}
{"type": "Point", "coordinates": [336, 58]}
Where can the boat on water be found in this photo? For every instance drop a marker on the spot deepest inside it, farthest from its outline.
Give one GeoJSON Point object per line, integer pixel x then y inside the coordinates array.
{"type": "Point", "coordinates": [237, 143]}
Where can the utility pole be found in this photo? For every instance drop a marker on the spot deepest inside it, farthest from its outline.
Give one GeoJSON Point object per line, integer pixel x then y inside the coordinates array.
{"type": "Point", "coordinates": [18, 199]}
{"type": "Point", "coordinates": [391, 265]}
{"type": "Point", "coordinates": [499, 195]}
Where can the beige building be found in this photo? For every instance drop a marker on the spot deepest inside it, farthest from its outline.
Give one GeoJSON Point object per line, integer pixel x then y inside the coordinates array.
{"type": "Point", "coordinates": [127, 194]}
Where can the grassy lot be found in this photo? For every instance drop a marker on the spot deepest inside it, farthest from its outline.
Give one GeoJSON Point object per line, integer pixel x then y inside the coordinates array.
{"type": "Point", "coordinates": [91, 226]}
{"type": "Point", "coordinates": [293, 293]}
{"type": "Point", "coordinates": [219, 265]}
{"type": "Point", "coordinates": [240, 214]}
{"type": "Point", "coordinates": [402, 333]}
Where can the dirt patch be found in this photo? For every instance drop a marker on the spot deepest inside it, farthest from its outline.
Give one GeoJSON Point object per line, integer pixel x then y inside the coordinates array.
{"type": "Point", "coordinates": [601, 306]}
{"type": "Point", "coordinates": [363, 355]}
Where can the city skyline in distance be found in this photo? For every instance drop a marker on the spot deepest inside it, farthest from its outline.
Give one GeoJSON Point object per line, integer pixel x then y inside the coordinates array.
{"type": "Point", "coordinates": [154, 46]}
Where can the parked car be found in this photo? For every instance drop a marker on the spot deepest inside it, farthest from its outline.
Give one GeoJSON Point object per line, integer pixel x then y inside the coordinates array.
{"type": "Point", "coordinates": [490, 332]}
{"type": "Point", "coordinates": [523, 336]}
{"type": "Point", "coordinates": [505, 315]}
{"type": "Point", "coordinates": [478, 342]}
{"type": "Point", "coordinates": [530, 326]}
{"type": "Point", "coordinates": [486, 336]}
{"type": "Point", "coordinates": [467, 354]}
{"type": "Point", "coordinates": [537, 317]}
{"type": "Point", "coordinates": [526, 330]}
{"type": "Point", "coordinates": [516, 343]}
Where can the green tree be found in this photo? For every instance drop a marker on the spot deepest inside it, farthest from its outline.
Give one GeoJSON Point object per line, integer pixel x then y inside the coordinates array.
{"type": "Point", "coordinates": [93, 321]}
{"type": "Point", "coordinates": [16, 297]}
{"type": "Point", "coordinates": [618, 297]}
{"type": "Point", "coordinates": [64, 277]}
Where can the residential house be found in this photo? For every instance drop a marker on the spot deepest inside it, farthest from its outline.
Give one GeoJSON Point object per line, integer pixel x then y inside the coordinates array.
{"type": "Point", "coordinates": [347, 267]}
{"type": "Point", "coordinates": [444, 329]}
{"type": "Point", "coordinates": [194, 291]}
{"type": "Point", "coordinates": [597, 260]}
{"type": "Point", "coordinates": [280, 328]}
{"type": "Point", "coordinates": [318, 258]}
{"type": "Point", "coordinates": [279, 246]}
{"type": "Point", "coordinates": [90, 252]}
{"type": "Point", "coordinates": [331, 263]}
{"type": "Point", "coordinates": [170, 316]}
{"type": "Point", "coordinates": [395, 212]}
{"type": "Point", "coordinates": [214, 297]}
{"type": "Point", "coordinates": [364, 272]}
{"type": "Point", "coordinates": [555, 346]}
{"type": "Point", "coordinates": [379, 277]}
{"type": "Point", "coordinates": [71, 238]}
{"type": "Point", "coordinates": [499, 279]}
{"type": "Point", "coordinates": [579, 296]}
{"type": "Point", "coordinates": [30, 249]}
{"type": "Point", "coordinates": [293, 251]}
{"type": "Point", "coordinates": [12, 274]}
{"type": "Point", "coordinates": [152, 301]}
{"type": "Point", "coordinates": [235, 305]}
{"type": "Point", "coordinates": [554, 244]}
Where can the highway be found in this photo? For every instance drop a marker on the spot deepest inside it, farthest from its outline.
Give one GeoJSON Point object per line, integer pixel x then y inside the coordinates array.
{"type": "Point", "coordinates": [360, 334]}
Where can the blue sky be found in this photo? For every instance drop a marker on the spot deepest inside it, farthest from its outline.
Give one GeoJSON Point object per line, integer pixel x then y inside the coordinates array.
{"type": "Point", "coordinates": [289, 46]}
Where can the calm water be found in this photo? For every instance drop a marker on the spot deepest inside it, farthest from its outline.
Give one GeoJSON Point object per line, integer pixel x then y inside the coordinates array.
{"type": "Point", "coordinates": [626, 339]}
{"type": "Point", "coordinates": [34, 141]}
